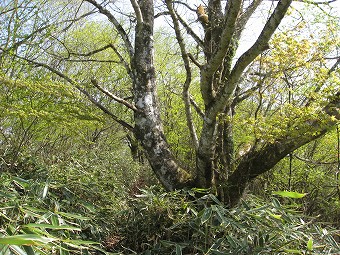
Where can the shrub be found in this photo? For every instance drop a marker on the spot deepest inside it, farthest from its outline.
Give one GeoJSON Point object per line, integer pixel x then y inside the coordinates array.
{"type": "Point", "coordinates": [31, 221]}
{"type": "Point", "coordinates": [181, 223]}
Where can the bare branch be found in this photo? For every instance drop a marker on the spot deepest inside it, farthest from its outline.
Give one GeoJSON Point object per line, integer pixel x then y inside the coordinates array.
{"type": "Point", "coordinates": [246, 94]}
{"type": "Point", "coordinates": [161, 14]}
{"type": "Point", "coordinates": [105, 110]}
{"type": "Point", "coordinates": [92, 60]}
{"type": "Point", "coordinates": [332, 69]}
{"type": "Point", "coordinates": [194, 60]}
{"type": "Point", "coordinates": [261, 43]}
{"type": "Point", "coordinates": [118, 26]}
{"type": "Point", "coordinates": [245, 16]}
{"type": "Point", "coordinates": [125, 63]}
{"type": "Point", "coordinates": [83, 91]}
{"type": "Point", "coordinates": [185, 57]}
{"type": "Point", "coordinates": [196, 107]}
{"type": "Point", "coordinates": [226, 37]}
{"type": "Point", "coordinates": [185, 4]}
{"type": "Point", "coordinates": [92, 52]}
{"type": "Point", "coordinates": [121, 58]}
{"type": "Point", "coordinates": [43, 28]}
{"type": "Point", "coordinates": [114, 97]}
{"type": "Point", "coordinates": [24, 40]}
{"type": "Point", "coordinates": [258, 47]}
{"type": "Point", "coordinates": [313, 2]}
{"type": "Point", "coordinates": [314, 162]}
{"type": "Point", "coordinates": [190, 31]}
{"type": "Point", "coordinates": [137, 10]}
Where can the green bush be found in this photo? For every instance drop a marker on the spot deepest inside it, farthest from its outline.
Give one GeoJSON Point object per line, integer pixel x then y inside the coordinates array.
{"type": "Point", "coordinates": [32, 222]}
{"type": "Point", "coordinates": [180, 223]}
{"type": "Point", "coordinates": [312, 169]}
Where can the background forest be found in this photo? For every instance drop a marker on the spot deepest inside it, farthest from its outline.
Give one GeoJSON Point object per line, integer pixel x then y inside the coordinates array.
{"type": "Point", "coordinates": [76, 177]}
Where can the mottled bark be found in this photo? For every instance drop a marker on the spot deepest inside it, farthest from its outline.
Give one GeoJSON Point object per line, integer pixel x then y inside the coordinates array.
{"type": "Point", "coordinates": [257, 162]}
{"type": "Point", "coordinates": [216, 166]}
{"type": "Point", "coordinates": [263, 157]}
{"type": "Point", "coordinates": [148, 126]}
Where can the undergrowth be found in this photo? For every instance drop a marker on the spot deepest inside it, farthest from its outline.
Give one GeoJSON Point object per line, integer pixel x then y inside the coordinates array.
{"type": "Point", "coordinates": [181, 223]}
{"type": "Point", "coordinates": [48, 218]}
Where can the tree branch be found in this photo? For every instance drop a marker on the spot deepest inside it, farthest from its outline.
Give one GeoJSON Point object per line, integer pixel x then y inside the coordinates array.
{"type": "Point", "coordinates": [259, 161]}
{"type": "Point", "coordinates": [226, 37]}
{"type": "Point", "coordinates": [118, 26]}
{"type": "Point", "coordinates": [114, 97]}
{"type": "Point", "coordinates": [332, 69]}
{"type": "Point", "coordinates": [105, 110]}
{"type": "Point", "coordinates": [196, 107]}
{"type": "Point", "coordinates": [190, 31]}
{"type": "Point", "coordinates": [314, 162]}
{"type": "Point", "coordinates": [110, 45]}
{"type": "Point", "coordinates": [261, 43]}
{"type": "Point", "coordinates": [90, 53]}
{"type": "Point", "coordinates": [137, 10]}
{"type": "Point", "coordinates": [258, 47]}
{"type": "Point", "coordinates": [185, 57]}
{"type": "Point", "coordinates": [83, 91]}
{"type": "Point", "coordinates": [218, 56]}
{"type": "Point", "coordinates": [264, 157]}
{"type": "Point", "coordinates": [245, 16]}
{"type": "Point", "coordinates": [194, 60]}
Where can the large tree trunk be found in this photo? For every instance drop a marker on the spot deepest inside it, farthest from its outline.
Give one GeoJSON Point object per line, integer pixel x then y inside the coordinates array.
{"type": "Point", "coordinates": [216, 167]}
{"type": "Point", "coordinates": [264, 156]}
{"type": "Point", "coordinates": [220, 75]}
{"type": "Point", "coordinates": [148, 126]}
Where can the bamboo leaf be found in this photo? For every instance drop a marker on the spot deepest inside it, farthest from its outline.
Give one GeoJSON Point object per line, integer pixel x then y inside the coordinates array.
{"type": "Point", "coordinates": [290, 194]}
{"type": "Point", "coordinates": [28, 239]}
{"type": "Point", "coordinates": [17, 250]}
{"type": "Point", "coordinates": [73, 216]}
{"type": "Point", "coordinates": [178, 250]}
{"type": "Point", "coordinates": [310, 244]}
{"type": "Point", "coordinates": [291, 251]}
{"type": "Point", "coordinates": [206, 215]}
{"type": "Point", "coordinates": [29, 250]}
{"type": "Point", "coordinates": [30, 225]}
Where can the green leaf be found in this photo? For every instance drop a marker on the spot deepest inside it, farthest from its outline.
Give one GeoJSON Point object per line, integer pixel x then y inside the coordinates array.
{"type": "Point", "coordinates": [217, 252]}
{"type": "Point", "coordinates": [45, 190]}
{"type": "Point", "coordinates": [30, 225]}
{"type": "Point", "coordinates": [232, 242]}
{"type": "Point", "coordinates": [63, 250]}
{"type": "Point", "coordinates": [29, 250]}
{"type": "Point", "coordinates": [80, 242]}
{"type": "Point", "coordinates": [310, 244]}
{"type": "Point", "coordinates": [276, 216]}
{"type": "Point", "coordinates": [54, 220]}
{"type": "Point", "coordinates": [276, 203]}
{"type": "Point", "coordinates": [220, 213]}
{"type": "Point", "coordinates": [73, 216]}
{"type": "Point", "coordinates": [290, 194]}
{"type": "Point", "coordinates": [8, 195]}
{"type": "Point", "coordinates": [178, 250]}
{"type": "Point", "coordinates": [206, 215]}
{"type": "Point", "coordinates": [28, 239]}
{"type": "Point", "coordinates": [17, 250]}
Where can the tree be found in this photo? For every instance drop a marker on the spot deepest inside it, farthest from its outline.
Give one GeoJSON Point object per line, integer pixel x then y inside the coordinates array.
{"type": "Point", "coordinates": [227, 84]}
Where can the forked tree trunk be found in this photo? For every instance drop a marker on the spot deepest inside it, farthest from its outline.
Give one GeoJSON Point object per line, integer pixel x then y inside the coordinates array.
{"type": "Point", "coordinates": [216, 166]}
